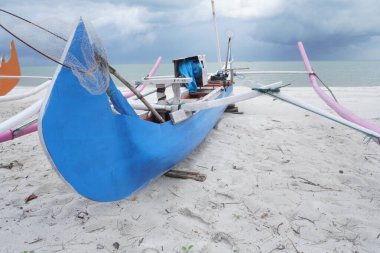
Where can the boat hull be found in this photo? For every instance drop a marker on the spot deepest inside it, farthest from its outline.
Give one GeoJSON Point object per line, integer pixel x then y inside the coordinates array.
{"type": "Point", "coordinates": [106, 156]}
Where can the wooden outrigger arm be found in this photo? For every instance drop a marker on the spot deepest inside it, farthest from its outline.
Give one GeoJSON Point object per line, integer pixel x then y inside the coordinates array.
{"type": "Point", "coordinates": [310, 108]}
{"type": "Point", "coordinates": [31, 92]}
{"type": "Point", "coordinates": [26, 77]}
{"type": "Point", "coordinates": [208, 103]}
{"type": "Point", "coordinates": [274, 91]}
{"type": "Point", "coordinates": [21, 117]}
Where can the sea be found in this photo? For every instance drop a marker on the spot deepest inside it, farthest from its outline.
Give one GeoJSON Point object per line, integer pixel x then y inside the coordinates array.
{"type": "Point", "coordinates": [332, 73]}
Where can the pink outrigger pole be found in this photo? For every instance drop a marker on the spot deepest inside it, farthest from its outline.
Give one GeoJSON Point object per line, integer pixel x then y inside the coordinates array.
{"type": "Point", "coordinates": [339, 109]}
{"type": "Point", "coordinates": [130, 94]}
{"type": "Point", "coordinates": [13, 134]}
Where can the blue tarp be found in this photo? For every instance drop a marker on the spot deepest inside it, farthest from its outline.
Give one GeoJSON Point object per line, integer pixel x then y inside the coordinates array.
{"type": "Point", "coordinates": [190, 69]}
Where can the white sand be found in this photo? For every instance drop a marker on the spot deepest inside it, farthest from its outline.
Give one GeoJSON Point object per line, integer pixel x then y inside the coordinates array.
{"type": "Point", "coordinates": [279, 179]}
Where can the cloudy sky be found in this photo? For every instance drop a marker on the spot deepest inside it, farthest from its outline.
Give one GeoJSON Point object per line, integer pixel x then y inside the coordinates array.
{"type": "Point", "coordinates": [137, 31]}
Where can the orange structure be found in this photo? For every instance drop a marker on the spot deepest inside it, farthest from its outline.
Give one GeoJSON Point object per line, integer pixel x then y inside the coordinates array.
{"type": "Point", "coordinates": [9, 68]}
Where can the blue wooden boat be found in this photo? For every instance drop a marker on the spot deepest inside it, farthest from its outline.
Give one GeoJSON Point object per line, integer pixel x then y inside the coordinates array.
{"type": "Point", "coordinates": [107, 156]}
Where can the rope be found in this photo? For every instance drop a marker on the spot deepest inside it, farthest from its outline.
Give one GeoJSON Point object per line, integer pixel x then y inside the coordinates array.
{"type": "Point", "coordinates": [367, 139]}
{"type": "Point", "coordinates": [30, 22]}
{"type": "Point", "coordinates": [265, 90]}
{"type": "Point", "coordinates": [98, 58]}
{"type": "Point", "coordinates": [332, 94]}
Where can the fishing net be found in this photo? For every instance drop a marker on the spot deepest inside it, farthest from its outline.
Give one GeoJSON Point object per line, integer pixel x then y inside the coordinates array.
{"type": "Point", "coordinates": [50, 38]}
{"type": "Point", "coordinates": [92, 71]}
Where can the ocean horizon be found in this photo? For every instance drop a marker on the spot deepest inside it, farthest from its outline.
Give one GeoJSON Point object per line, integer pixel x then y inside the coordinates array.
{"type": "Point", "coordinates": [333, 73]}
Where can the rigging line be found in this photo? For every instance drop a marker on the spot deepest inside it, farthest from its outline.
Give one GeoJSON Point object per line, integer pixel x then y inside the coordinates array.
{"type": "Point", "coordinates": [98, 61]}
{"type": "Point", "coordinates": [332, 94]}
{"type": "Point", "coordinates": [54, 34]}
{"type": "Point", "coordinates": [30, 22]}
{"type": "Point", "coordinates": [35, 49]}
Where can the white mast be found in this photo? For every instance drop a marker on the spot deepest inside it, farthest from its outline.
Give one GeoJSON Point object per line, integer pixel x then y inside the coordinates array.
{"type": "Point", "coordinates": [217, 35]}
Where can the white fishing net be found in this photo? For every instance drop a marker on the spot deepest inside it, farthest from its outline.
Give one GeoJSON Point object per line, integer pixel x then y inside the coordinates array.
{"type": "Point", "coordinates": [49, 38]}
{"type": "Point", "coordinates": [91, 70]}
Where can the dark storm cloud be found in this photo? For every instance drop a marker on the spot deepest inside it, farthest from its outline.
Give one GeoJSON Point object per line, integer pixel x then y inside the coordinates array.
{"type": "Point", "coordinates": [329, 28]}
{"type": "Point", "coordinates": [135, 31]}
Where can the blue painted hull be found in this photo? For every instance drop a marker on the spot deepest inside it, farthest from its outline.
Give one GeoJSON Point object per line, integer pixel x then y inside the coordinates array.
{"type": "Point", "coordinates": [105, 156]}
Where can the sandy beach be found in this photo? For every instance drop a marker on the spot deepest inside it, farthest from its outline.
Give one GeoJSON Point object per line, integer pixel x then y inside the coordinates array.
{"type": "Point", "coordinates": [279, 179]}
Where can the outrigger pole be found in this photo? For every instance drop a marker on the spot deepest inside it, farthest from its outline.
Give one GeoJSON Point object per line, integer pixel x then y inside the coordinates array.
{"type": "Point", "coordinates": [25, 77]}
{"type": "Point", "coordinates": [310, 108]}
{"type": "Point", "coordinates": [216, 35]}
{"type": "Point", "coordinates": [30, 92]}
{"type": "Point", "coordinates": [21, 116]}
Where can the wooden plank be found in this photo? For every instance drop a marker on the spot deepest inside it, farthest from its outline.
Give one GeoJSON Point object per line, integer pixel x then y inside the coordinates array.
{"type": "Point", "coordinates": [186, 175]}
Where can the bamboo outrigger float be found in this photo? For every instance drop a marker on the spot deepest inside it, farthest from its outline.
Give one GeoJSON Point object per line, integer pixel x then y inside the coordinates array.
{"type": "Point", "coordinates": [339, 109]}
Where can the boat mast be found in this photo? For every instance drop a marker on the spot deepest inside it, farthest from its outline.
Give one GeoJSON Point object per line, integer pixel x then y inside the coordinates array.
{"type": "Point", "coordinates": [217, 35]}
{"type": "Point", "coordinates": [228, 55]}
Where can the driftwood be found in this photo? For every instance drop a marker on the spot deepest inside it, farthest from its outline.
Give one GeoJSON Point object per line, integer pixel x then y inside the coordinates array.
{"type": "Point", "coordinates": [232, 109]}
{"type": "Point", "coordinates": [186, 175]}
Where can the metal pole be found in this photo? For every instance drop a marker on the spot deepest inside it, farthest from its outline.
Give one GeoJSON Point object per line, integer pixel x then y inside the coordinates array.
{"type": "Point", "coordinates": [228, 50]}
{"type": "Point", "coordinates": [217, 35]}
